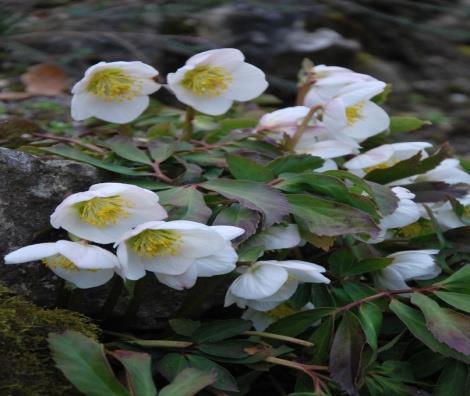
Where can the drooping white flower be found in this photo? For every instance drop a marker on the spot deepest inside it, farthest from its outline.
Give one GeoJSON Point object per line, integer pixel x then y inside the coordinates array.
{"type": "Point", "coordinates": [184, 248]}
{"type": "Point", "coordinates": [283, 121]}
{"type": "Point", "coordinates": [449, 171]}
{"type": "Point", "coordinates": [385, 156]}
{"type": "Point", "coordinates": [352, 117]}
{"type": "Point", "coordinates": [447, 218]}
{"type": "Point", "coordinates": [276, 237]}
{"type": "Point", "coordinates": [266, 284]}
{"type": "Point", "coordinates": [406, 266]}
{"type": "Point", "coordinates": [210, 81]}
{"type": "Point", "coordinates": [330, 81]}
{"type": "Point", "coordinates": [81, 264]}
{"type": "Point", "coordinates": [262, 320]}
{"type": "Point", "coordinates": [318, 142]}
{"type": "Point", "coordinates": [114, 92]}
{"type": "Point", "coordinates": [106, 211]}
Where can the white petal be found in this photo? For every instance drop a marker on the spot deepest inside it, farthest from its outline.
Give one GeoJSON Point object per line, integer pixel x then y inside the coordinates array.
{"type": "Point", "coordinates": [168, 265]}
{"type": "Point", "coordinates": [277, 237]}
{"type": "Point", "coordinates": [219, 263]}
{"type": "Point", "coordinates": [179, 282]}
{"type": "Point", "coordinates": [389, 279]}
{"type": "Point", "coordinates": [85, 279]}
{"type": "Point", "coordinates": [118, 112]}
{"type": "Point", "coordinates": [131, 266]}
{"type": "Point", "coordinates": [260, 320]}
{"type": "Point", "coordinates": [228, 232]}
{"type": "Point", "coordinates": [248, 83]}
{"type": "Point", "coordinates": [31, 253]}
{"type": "Point", "coordinates": [87, 256]}
{"type": "Point", "coordinates": [371, 158]}
{"type": "Point", "coordinates": [303, 271]}
{"type": "Point", "coordinates": [222, 57]}
{"type": "Point", "coordinates": [324, 149]}
{"type": "Point", "coordinates": [372, 121]}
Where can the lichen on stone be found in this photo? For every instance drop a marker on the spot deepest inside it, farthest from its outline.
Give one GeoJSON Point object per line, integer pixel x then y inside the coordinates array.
{"type": "Point", "coordinates": [26, 365]}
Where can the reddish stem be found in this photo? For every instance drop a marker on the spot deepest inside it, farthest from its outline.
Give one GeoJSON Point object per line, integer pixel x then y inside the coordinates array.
{"type": "Point", "coordinates": [159, 174]}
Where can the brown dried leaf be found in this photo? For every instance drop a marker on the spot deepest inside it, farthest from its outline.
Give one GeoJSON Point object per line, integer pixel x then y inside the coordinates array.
{"type": "Point", "coordinates": [44, 79]}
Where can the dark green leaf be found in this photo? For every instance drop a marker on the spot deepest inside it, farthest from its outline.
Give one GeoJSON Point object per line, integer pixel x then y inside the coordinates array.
{"type": "Point", "coordinates": [171, 364]}
{"type": "Point", "coordinates": [437, 191]}
{"type": "Point", "coordinates": [453, 380]}
{"type": "Point", "coordinates": [138, 372]}
{"type": "Point", "coordinates": [232, 349]}
{"type": "Point", "coordinates": [224, 380]}
{"type": "Point", "coordinates": [406, 124]}
{"type": "Point", "coordinates": [220, 330]}
{"type": "Point", "coordinates": [188, 383]}
{"type": "Point", "coordinates": [297, 323]}
{"type": "Point", "coordinates": [448, 326]}
{"type": "Point", "coordinates": [321, 339]}
{"type": "Point", "coordinates": [250, 254]}
{"type": "Point", "coordinates": [161, 151]}
{"type": "Point", "coordinates": [246, 169]}
{"type": "Point", "coordinates": [83, 362]}
{"type": "Point", "coordinates": [367, 265]}
{"type": "Point", "coordinates": [330, 218]}
{"type": "Point", "coordinates": [346, 353]}
{"type": "Point", "coordinates": [189, 204]}
{"type": "Point", "coordinates": [238, 216]}
{"type": "Point", "coordinates": [295, 163]}
{"type": "Point", "coordinates": [386, 200]}
{"type": "Point", "coordinates": [371, 320]}
{"type": "Point", "coordinates": [457, 300]}
{"type": "Point", "coordinates": [253, 195]}
{"type": "Point", "coordinates": [125, 148]}
{"type": "Point", "coordinates": [459, 280]}
{"type": "Point", "coordinates": [184, 327]}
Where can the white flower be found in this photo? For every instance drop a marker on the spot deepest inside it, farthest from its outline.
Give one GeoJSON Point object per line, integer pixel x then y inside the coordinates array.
{"type": "Point", "coordinates": [329, 164]}
{"type": "Point", "coordinates": [352, 116]}
{"type": "Point", "coordinates": [385, 156]}
{"type": "Point", "coordinates": [329, 81]}
{"type": "Point", "coordinates": [282, 121]}
{"type": "Point", "coordinates": [276, 237]}
{"type": "Point", "coordinates": [106, 211]}
{"type": "Point", "coordinates": [406, 266]}
{"type": "Point", "coordinates": [266, 284]}
{"type": "Point", "coordinates": [262, 320]}
{"type": "Point", "coordinates": [447, 218]}
{"type": "Point", "coordinates": [210, 81]}
{"type": "Point", "coordinates": [114, 92]}
{"type": "Point", "coordinates": [449, 171]}
{"type": "Point", "coordinates": [184, 248]}
{"type": "Point", "coordinates": [81, 264]}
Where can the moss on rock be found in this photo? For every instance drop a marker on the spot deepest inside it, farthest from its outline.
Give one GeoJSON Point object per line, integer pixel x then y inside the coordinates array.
{"type": "Point", "coordinates": [26, 367]}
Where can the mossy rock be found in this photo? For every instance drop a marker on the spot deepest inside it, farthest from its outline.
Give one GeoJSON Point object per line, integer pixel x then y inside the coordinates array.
{"type": "Point", "coordinates": [25, 360]}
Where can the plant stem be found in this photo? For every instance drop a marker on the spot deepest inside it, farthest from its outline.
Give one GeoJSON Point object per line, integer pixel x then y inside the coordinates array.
{"type": "Point", "coordinates": [188, 124]}
{"type": "Point", "coordinates": [161, 343]}
{"type": "Point", "coordinates": [292, 340]}
{"type": "Point", "coordinates": [159, 174]}
{"type": "Point", "coordinates": [112, 299]}
{"type": "Point", "coordinates": [134, 304]}
{"type": "Point", "coordinates": [303, 126]}
{"type": "Point", "coordinates": [78, 142]}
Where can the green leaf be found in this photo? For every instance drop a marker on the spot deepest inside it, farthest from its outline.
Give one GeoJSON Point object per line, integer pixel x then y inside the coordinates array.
{"type": "Point", "coordinates": [160, 151]}
{"type": "Point", "coordinates": [448, 326]}
{"type": "Point", "coordinates": [409, 167]}
{"type": "Point", "coordinates": [414, 321]}
{"type": "Point", "coordinates": [188, 383]}
{"type": "Point", "coordinates": [224, 380]}
{"type": "Point", "coordinates": [188, 202]}
{"type": "Point", "coordinates": [77, 155]}
{"type": "Point", "coordinates": [246, 169]}
{"type": "Point", "coordinates": [184, 327]}
{"type": "Point", "coordinates": [237, 123]}
{"type": "Point", "coordinates": [345, 353]}
{"type": "Point", "coordinates": [457, 300]}
{"type": "Point", "coordinates": [400, 124]}
{"type": "Point", "coordinates": [321, 339]}
{"type": "Point", "coordinates": [220, 330]}
{"type": "Point", "coordinates": [83, 362]}
{"type": "Point", "coordinates": [437, 191]}
{"type": "Point", "coordinates": [125, 148]}
{"type": "Point", "coordinates": [238, 216]}
{"type": "Point", "coordinates": [367, 265]}
{"type": "Point", "coordinates": [459, 280]}
{"type": "Point", "coordinates": [138, 372]}
{"type": "Point", "coordinates": [171, 364]}
{"type": "Point", "coordinates": [453, 380]}
{"type": "Point", "coordinates": [329, 218]}
{"type": "Point", "coordinates": [386, 200]}
{"type": "Point", "coordinates": [250, 254]}
{"type": "Point", "coordinates": [297, 323]}
{"type": "Point", "coordinates": [295, 163]}
{"type": "Point", "coordinates": [253, 195]}
{"type": "Point", "coordinates": [232, 349]}
{"type": "Point", "coordinates": [371, 320]}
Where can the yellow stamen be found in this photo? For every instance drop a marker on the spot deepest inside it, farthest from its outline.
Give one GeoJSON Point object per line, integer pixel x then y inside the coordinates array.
{"type": "Point", "coordinates": [466, 211]}
{"type": "Point", "coordinates": [280, 311]}
{"type": "Point", "coordinates": [418, 228]}
{"type": "Point", "coordinates": [113, 84]}
{"type": "Point", "coordinates": [207, 80]}
{"type": "Point", "coordinates": [382, 165]}
{"type": "Point", "coordinates": [102, 212]}
{"type": "Point", "coordinates": [353, 113]}
{"type": "Point", "coordinates": [59, 261]}
{"type": "Point", "coordinates": [153, 243]}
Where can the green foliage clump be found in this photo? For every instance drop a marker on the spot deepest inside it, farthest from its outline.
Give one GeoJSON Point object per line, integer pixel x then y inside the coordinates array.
{"type": "Point", "coordinates": [27, 367]}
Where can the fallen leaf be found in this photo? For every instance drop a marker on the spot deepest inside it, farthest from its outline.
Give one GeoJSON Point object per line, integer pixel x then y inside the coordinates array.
{"type": "Point", "coordinates": [44, 79]}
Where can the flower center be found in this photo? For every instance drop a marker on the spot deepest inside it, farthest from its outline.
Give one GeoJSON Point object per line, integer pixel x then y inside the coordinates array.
{"type": "Point", "coordinates": [353, 113]}
{"type": "Point", "coordinates": [59, 261]}
{"type": "Point", "coordinates": [153, 243]}
{"type": "Point", "coordinates": [113, 84]}
{"type": "Point", "coordinates": [281, 311]}
{"type": "Point", "coordinates": [418, 228]}
{"type": "Point", "coordinates": [102, 212]}
{"type": "Point", "coordinates": [207, 80]}
{"type": "Point", "coordinates": [382, 165]}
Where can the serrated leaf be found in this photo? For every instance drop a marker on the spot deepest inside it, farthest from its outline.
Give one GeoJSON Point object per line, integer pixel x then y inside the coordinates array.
{"type": "Point", "coordinates": [188, 202]}
{"type": "Point", "coordinates": [371, 320]}
{"type": "Point", "coordinates": [328, 218]}
{"type": "Point", "coordinates": [220, 330]}
{"type": "Point", "coordinates": [253, 195]}
{"type": "Point", "coordinates": [125, 148]}
{"type": "Point", "coordinates": [448, 326]}
{"type": "Point", "coordinates": [414, 321]}
{"type": "Point", "coordinates": [346, 352]}
{"type": "Point", "coordinates": [295, 163]}
{"type": "Point", "coordinates": [138, 372]}
{"type": "Point", "coordinates": [246, 169]}
{"type": "Point", "coordinates": [457, 300]}
{"type": "Point", "coordinates": [400, 124]}
{"type": "Point", "coordinates": [184, 327]}
{"type": "Point", "coordinates": [83, 362]}
{"type": "Point", "coordinates": [238, 216]}
{"type": "Point", "coordinates": [188, 383]}
{"type": "Point", "coordinates": [297, 323]}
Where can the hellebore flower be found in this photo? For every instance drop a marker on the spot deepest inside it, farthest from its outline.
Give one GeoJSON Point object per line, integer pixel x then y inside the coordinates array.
{"type": "Point", "coordinates": [406, 266]}
{"type": "Point", "coordinates": [276, 237]}
{"type": "Point", "coordinates": [449, 171]}
{"type": "Point", "coordinates": [177, 248]}
{"type": "Point", "coordinates": [114, 92]}
{"type": "Point", "coordinates": [266, 284]}
{"type": "Point", "coordinates": [210, 81]}
{"type": "Point", "coordinates": [81, 264]}
{"type": "Point", "coordinates": [446, 216]}
{"type": "Point", "coordinates": [106, 211]}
